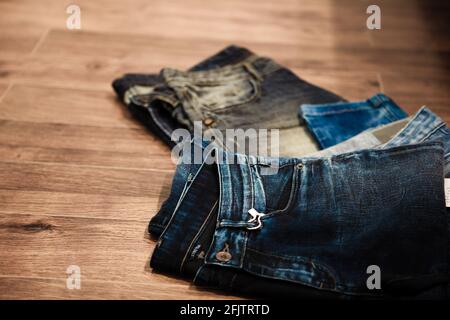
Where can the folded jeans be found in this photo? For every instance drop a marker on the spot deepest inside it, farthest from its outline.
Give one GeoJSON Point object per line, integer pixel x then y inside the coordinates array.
{"type": "Point", "coordinates": [325, 220]}
{"type": "Point", "coordinates": [233, 89]}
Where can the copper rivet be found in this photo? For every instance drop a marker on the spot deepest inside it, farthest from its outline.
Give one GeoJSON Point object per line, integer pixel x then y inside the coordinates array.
{"type": "Point", "coordinates": [223, 256]}
{"type": "Point", "coordinates": [208, 121]}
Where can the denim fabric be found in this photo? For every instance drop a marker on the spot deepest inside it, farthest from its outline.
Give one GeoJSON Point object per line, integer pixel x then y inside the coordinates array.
{"type": "Point", "coordinates": [135, 91]}
{"type": "Point", "coordinates": [423, 126]}
{"type": "Point", "coordinates": [333, 123]}
{"type": "Point", "coordinates": [342, 214]}
{"type": "Point", "coordinates": [187, 238]}
{"type": "Point", "coordinates": [326, 220]}
{"type": "Point", "coordinates": [232, 89]}
{"type": "Point", "coordinates": [181, 183]}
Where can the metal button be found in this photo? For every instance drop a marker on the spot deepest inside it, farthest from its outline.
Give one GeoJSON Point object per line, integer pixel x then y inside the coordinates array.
{"type": "Point", "coordinates": [224, 255]}
{"type": "Point", "coordinates": [208, 121]}
{"type": "Point", "coordinates": [299, 165]}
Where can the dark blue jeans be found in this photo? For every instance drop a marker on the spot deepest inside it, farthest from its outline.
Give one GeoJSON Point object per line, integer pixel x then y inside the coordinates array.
{"type": "Point", "coordinates": [324, 222]}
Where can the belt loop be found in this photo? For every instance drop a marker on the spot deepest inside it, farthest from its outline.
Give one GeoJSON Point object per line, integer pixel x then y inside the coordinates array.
{"type": "Point", "coordinates": [248, 65]}
{"type": "Point", "coordinates": [378, 100]}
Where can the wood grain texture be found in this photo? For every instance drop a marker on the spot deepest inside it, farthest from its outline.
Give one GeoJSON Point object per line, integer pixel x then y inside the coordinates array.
{"type": "Point", "coordinates": [80, 179]}
{"type": "Point", "coordinates": [60, 105]}
{"type": "Point", "coordinates": [54, 288]}
{"type": "Point", "coordinates": [84, 145]}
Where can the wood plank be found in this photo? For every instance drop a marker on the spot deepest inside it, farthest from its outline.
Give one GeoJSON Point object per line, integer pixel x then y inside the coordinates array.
{"type": "Point", "coordinates": [98, 75]}
{"type": "Point", "coordinates": [54, 68]}
{"type": "Point", "coordinates": [411, 104]}
{"type": "Point", "coordinates": [130, 140]}
{"type": "Point", "coordinates": [308, 54]}
{"type": "Point", "coordinates": [141, 161]}
{"type": "Point", "coordinates": [3, 88]}
{"type": "Point", "coordinates": [64, 204]}
{"type": "Point", "coordinates": [408, 26]}
{"type": "Point", "coordinates": [266, 22]}
{"type": "Point", "coordinates": [29, 242]}
{"type": "Point", "coordinates": [414, 91]}
{"type": "Point", "coordinates": [84, 145]}
{"type": "Point", "coordinates": [120, 255]}
{"type": "Point", "coordinates": [53, 65]}
{"type": "Point", "coordinates": [391, 37]}
{"type": "Point", "coordinates": [19, 40]}
{"type": "Point", "coordinates": [49, 289]}
{"type": "Point", "coordinates": [294, 54]}
{"type": "Point", "coordinates": [69, 106]}
{"type": "Point", "coordinates": [418, 85]}
{"type": "Point", "coordinates": [83, 179]}
{"type": "Point", "coordinates": [58, 73]}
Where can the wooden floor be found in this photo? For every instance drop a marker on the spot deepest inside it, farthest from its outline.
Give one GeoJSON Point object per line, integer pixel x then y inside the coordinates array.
{"type": "Point", "coordinates": [79, 178]}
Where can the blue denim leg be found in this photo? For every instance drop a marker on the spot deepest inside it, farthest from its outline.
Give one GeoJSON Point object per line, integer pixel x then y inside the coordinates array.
{"type": "Point", "coordinates": [333, 123]}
